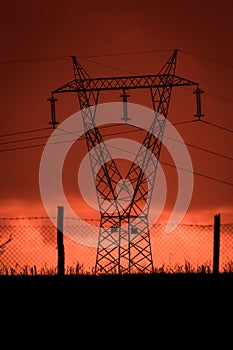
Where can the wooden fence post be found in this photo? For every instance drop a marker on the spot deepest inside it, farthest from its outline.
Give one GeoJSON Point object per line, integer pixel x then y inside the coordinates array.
{"type": "Point", "coordinates": [60, 245]}
{"type": "Point", "coordinates": [216, 243]}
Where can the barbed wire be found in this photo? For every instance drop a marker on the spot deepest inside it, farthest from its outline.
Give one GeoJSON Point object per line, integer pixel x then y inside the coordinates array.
{"type": "Point", "coordinates": [21, 218]}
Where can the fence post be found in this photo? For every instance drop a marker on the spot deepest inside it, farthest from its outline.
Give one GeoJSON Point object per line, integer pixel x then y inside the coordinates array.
{"type": "Point", "coordinates": [216, 243]}
{"type": "Point", "coordinates": [60, 245]}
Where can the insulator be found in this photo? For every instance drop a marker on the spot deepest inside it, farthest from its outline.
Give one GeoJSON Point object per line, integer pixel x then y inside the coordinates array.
{"type": "Point", "coordinates": [52, 101]}
{"type": "Point", "coordinates": [124, 97]}
{"type": "Point", "coordinates": [198, 93]}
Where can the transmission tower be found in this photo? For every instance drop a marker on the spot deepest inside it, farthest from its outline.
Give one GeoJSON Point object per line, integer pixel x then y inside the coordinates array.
{"type": "Point", "coordinates": [124, 236]}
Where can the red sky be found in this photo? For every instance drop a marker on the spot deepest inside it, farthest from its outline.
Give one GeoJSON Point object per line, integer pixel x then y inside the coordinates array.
{"type": "Point", "coordinates": [37, 38]}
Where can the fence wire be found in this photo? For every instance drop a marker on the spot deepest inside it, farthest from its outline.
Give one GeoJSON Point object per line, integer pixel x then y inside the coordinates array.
{"type": "Point", "coordinates": [29, 246]}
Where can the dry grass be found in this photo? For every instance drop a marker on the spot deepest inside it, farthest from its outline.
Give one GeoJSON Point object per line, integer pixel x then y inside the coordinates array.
{"type": "Point", "coordinates": [79, 269]}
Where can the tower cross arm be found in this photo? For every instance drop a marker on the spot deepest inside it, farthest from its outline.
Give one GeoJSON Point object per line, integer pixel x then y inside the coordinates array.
{"type": "Point", "coordinates": [127, 82]}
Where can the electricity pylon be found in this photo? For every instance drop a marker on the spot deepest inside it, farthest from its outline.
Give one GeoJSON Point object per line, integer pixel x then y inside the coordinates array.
{"type": "Point", "coordinates": [124, 236]}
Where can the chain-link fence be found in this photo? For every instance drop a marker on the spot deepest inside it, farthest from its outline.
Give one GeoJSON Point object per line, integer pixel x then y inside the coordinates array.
{"type": "Point", "coordinates": [29, 246]}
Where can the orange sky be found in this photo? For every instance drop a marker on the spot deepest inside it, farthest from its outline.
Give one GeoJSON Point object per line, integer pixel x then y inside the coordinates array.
{"type": "Point", "coordinates": [54, 30]}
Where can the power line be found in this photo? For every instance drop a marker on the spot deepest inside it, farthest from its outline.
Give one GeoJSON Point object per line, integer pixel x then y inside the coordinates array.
{"type": "Point", "coordinates": [187, 144]}
{"type": "Point", "coordinates": [109, 134]}
{"type": "Point", "coordinates": [32, 60]}
{"type": "Point", "coordinates": [199, 174]}
{"type": "Point", "coordinates": [109, 66]}
{"type": "Point", "coordinates": [25, 132]}
{"type": "Point", "coordinates": [184, 122]}
{"type": "Point", "coordinates": [207, 59]}
{"type": "Point", "coordinates": [200, 148]}
{"type": "Point", "coordinates": [167, 164]}
{"type": "Point", "coordinates": [214, 96]}
{"type": "Point", "coordinates": [33, 138]}
{"type": "Point", "coordinates": [23, 147]}
{"type": "Point", "coordinates": [127, 53]}
{"type": "Point", "coordinates": [87, 58]}
{"type": "Point", "coordinates": [130, 72]}
{"type": "Point", "coordinates": [186, 170]}
{"type": "Point", "coordinates": [219, 97]}
{"type": "Point", "coordinates": [25, 140]}
{"type": "Point", "coordinates": [60, 58]}
{"type": "Point", "coordinates": [216, 126]}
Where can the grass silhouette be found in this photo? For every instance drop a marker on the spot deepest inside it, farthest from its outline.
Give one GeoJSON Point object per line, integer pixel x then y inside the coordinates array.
{"type": "Point", "coordinates": [79, 269]}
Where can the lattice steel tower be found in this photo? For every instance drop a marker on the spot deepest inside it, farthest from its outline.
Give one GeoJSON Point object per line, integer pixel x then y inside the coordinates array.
{"type": "Point", "coordinates": [124, 237]}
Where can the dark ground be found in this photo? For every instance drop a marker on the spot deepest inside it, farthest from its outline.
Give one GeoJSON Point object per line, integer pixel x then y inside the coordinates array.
{"type": "Point", "coordinates": [158, 284]}
{"type": "Point", "coordinates": [113, 306]}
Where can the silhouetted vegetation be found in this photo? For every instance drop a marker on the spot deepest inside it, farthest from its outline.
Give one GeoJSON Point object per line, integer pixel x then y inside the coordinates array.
{"type": "Point", "coordinates": [79, 269]}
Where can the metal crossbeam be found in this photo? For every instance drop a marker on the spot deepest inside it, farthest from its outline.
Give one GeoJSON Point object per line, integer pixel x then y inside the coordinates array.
{"type": "Point", "coordinates": [120, 83]}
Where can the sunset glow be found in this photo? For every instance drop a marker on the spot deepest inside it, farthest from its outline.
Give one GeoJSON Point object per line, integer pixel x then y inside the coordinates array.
{"type": "Point", "coordinates": [195, 171]}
